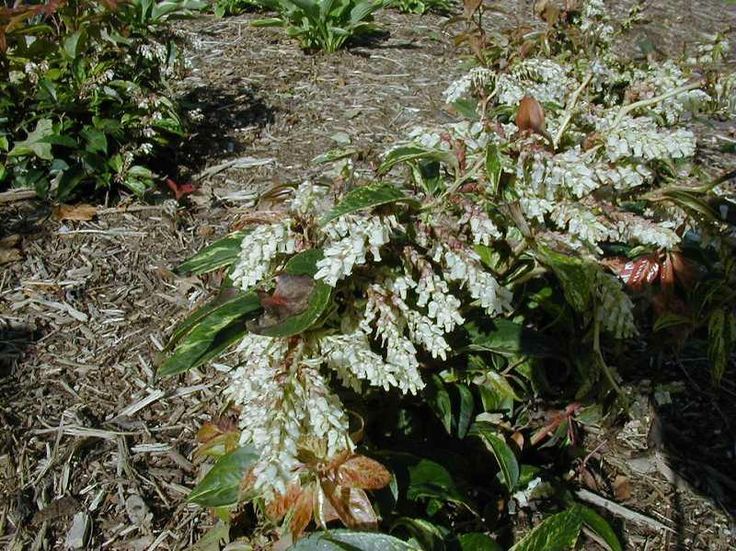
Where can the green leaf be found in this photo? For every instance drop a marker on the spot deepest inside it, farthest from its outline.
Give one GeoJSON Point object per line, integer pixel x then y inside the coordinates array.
{"type": "Point", "coordinates": [349, 540]}
{"type": "Point", "coordinates": [213, 538]}
{"type": "Point", "coordinates": [220, 487]}
{"type": "Point", "coordinates": [335, 155]}
{"type": "Point", "coordinates": [475, 541]}
{"type": "Point", "coordinates": [96, 140]}
{"type": "Point", "coordinates": [222, 252]}
{"type": "Point", "coordinates": [600, 526]}
{"type": "Point", "coordinates": [465, 414]}
{"type": "Point", "coordinates": [303, 264]}
{"type": "Point", "coordinates": [556, 533]}
{"type": "Point", "coordinates": [365, 197]}
{"type": "Point", "coordinates": [71, 44]}
{"type": "Point", "coordinates": [423, 478]}
{"type": "Point", "coordinates": [430, 536]}
{"type": "Point", "coordinates": [36, 142]}
{"type": "Point", "coordinates": [502, 452]}
{"type": "Point", "coordinates": [577, 277]}
{"type": "Point", "coordinates": [511, 339]}
{"type": "Point", "coordinates": [439, 400]}
{"type": "Point", "coordinates": [211, 334]}
{"type": "Point", "coordinates": [413, 153]}
{"type": "Point", "coordinates": [668, 320]}
{"type": "Point", "coordinates": [493, 167]}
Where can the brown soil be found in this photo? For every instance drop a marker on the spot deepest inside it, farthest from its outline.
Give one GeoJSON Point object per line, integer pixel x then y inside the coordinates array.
{"type": "Point", "coordinates": [86, 425]}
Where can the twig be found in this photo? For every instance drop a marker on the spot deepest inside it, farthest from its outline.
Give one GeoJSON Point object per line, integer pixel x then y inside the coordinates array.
{"type": "Point", "coordinates": [17, 195]}
{"type": "Point", "coordinates": [569, 110]}
{"type": "Point", "coordinates": [621, 511]}
{"type": "Point", "coordinates": [626, 109]}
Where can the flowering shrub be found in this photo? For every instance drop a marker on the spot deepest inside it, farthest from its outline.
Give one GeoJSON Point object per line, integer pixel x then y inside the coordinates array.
{"type": "Point", "coordinates": [415, 317]}
{"type": "Point", "coordinates": [83, 98]}
{"type": "Point", "coordinates": [422, 6]}
{"type": "Point", "coordinates": [325, 24]}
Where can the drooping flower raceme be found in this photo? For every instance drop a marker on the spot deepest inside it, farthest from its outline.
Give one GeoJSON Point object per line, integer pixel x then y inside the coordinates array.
{"type": "Point", "coordinates": [258, 249]}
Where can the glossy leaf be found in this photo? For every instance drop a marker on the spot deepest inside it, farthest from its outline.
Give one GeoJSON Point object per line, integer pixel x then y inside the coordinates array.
{"type": "Point", "coordinates": [439, 400]}
{"type": "Point", "coordinates": [409, 154]}
{"type": "Point", "coordinates": [494, 167]}
{"type": "Point", "coordinates": [222, 252]}
{"type": "Point", "coordinates": [475, 541]}
{"type": "Point", "coordinates": [577, 277]}
{"type": "Point", "coordinates": [363, 472]}
{"type": "Point", "coordinates": [430, 536]}
{"type": "Point", "coordinates": [555, 533]}
{"type": "Point", "coordinates": [212, 333]}
{"type": "Point", "coordinates": [220, 487]}
{"type": "Point", "coordinates": [422, 478]}
{"type": "Point", "coordinates": [501, 451]}
{"type": "Point", "coordinates": [465, 410]}
{"type": "Point", "coordinates": [512, 339]}
{"type": "Point", "coordinates": [365, 197]}
{"type": "Point", "coordinates": [343, 540]}
{"type": "Point", "coordinates": [599, 525]}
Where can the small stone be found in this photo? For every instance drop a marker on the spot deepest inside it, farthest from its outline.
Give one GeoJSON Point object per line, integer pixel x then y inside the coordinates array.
{"type": "Point", "coordinates": [137, 510]}
{"type": "Point", "coordinates": [76, 537]}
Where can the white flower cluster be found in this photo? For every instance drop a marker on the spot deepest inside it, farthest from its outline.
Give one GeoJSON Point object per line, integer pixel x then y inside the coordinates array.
{"type": "Point", "coordinates": [350, 237]}
{"type": "Point", "coordinates": [641, 139]}
{"type": "Point", "coordinates": [309, 199]}
{"type": "Point", "coordinates": [662, 78]}
{"type": "Point", "coordinates": [615, 310]}
{"type": "Point", "coordinates": [580, 222]}
{"type": "Point", "coordinates": [482, 229]}
{"type": "Point", "coordinates": [475, 80]}
{"type": "Point", "coordinates": [544, 79]}
{"type": "Point", "coordinates": [281, 401]}
{"type": "Point", "coordinates": [638, 229]}
{"type": "Point", "coordinates": [593, 21]}
{"type": "Point", "coordinates": [258, 249]}
{"type": "Point", "coordinates": [351, 357]}
{"type": "Point", "coordinates": [464, 267]}
{"type": "Point", "coordinates": [623, 177]}
{"type": "Point", "coordinates": [559, 176]}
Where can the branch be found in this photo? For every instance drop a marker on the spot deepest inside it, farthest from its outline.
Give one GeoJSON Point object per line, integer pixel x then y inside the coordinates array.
{"type": "Point", "coordinates": [626, 109]}
{"type": "Point", "coordinates": [569, 109]}
{"type": "Point", "coordinates": [621, 511]}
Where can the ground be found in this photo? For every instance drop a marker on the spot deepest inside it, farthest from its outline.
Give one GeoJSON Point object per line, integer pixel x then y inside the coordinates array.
{"type": "Point", "coordinates": [85, 311]}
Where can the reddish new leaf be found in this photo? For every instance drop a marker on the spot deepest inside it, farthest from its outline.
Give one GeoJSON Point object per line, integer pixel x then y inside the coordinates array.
{"type": "Point", "coordinates": [180, 190]}
{"type": "Point", "coordinates": [363, 472]}
{"type": "Point", "coordinates": [640, 271]}
{"type": "Point", "coordinates": [277, 508]}
{"type": "Point", "coordinates": [302, 513]}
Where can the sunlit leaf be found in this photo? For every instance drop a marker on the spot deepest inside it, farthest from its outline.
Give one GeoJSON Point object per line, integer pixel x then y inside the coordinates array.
{"type": "Point", "coordinates": [220, 487]}
{"type": "Point", "coordinates": [476, 541]}
{"type": "Point", "coordinates": [502, 452]}
{"type": "Point", "coordinates": [599, 525]}
{"type": "Point", "coordinates": [556, 533]}
{"type": "Point", "coordinates": [363, 472]}
{"type": "Point", "coordinates": [222, 252]}
{"type": "Point", "coordinates": [365, 197]}
{"type": "Point", "coordinates": [344, 540]}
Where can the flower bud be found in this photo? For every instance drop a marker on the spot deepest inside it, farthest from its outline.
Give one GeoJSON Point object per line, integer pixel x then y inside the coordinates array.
{"type": "Point", "coordinates": [530, 116]}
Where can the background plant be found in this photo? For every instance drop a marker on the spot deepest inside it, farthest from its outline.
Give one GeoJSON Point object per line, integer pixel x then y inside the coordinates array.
{"type": "Point", "coordinates": [423, 6]}
{"type": "Point", "coordinates": [83, 93]}
{"type": "Point", "coordinates": [468, 300]}
{"type": "Point", "coordinates": [324, 24]}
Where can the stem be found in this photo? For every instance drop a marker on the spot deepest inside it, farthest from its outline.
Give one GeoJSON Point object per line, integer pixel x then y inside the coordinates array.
{"type": "Point", "coordinates": [597, 349]}
{"type": "Point", "coordinates": [569, 109]}
{"type": "Point", "coordinates": [626, 109]}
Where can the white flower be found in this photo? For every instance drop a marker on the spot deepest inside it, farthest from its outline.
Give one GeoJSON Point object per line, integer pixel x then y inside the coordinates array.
{"type": "Point", "coordinates": [258, 249]}
{"type": "Point", "coordinates": [351, 237]}
{"type": "Point", "coordinates": [310, 200]}
{"type": "Point", "coordinates": [353, 360]}
{"type": "Point", "coordinates": [615, 309]}
{"type": "Point", "coordinates": [580, 222]}
{"type": "Point", "coordinates": [482, 228]}
{"type": "Point", "coordinates": [640, 138]}
{"type": "Point", "coordinates": [464, 267]}
{"type": "Point", "coordinates": [282, 401]}
{"type": "Point", "coordinates": [644, 231]}
{"type": "Point", "coordinates": [478, 78]}
{"type": "Point", "coordinates": [542, 78]}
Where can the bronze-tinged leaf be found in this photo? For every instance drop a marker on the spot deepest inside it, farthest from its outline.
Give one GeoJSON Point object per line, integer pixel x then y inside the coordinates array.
{"type": "Point", "coordinates": [684, 270]}
{"type": "Point", "coordinates": [75, 212]}
{"type": "Point", "coordinates": [667, 274]}
{"type": "Point", "coordinates": [302, 513]}
{"type": "Point", "coordinates": [363, 472]}
{"type": "Point", "coordinates": [352, 505]}
{"type": "Point", "coordinates": [207, 432]}
{"type": "Point", "coordinates": [281, 504]}
{"type": "Point", "coordinates": [323, 510]}
{"type": "Point", "coordinates": [518, 439]}
{"type": "Point", "coordinates": [470, 7]}
{"type": "Point", "coordinates": [361, 510]}
{"type": "Point", "coordinates": [530, 116]}
{"type": "Point", "coordinates": [640, 271]}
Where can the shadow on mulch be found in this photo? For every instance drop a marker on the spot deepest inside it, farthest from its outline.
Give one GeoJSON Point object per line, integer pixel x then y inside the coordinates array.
{"type": "Point", "coordinates": [693, 431]}
{"type": "Point", "coordinates": [225, 113]}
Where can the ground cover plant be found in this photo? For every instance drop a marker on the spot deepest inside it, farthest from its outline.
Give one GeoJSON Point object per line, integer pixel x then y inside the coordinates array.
{"type": "Point", "coordinates": [324, 24]}
{"type": "Point", "coordinates": [397, 330]}
{"type": "Point", "coordinates": [84, 100]}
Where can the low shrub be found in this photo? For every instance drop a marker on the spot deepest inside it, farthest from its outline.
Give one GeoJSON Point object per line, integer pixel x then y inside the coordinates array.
{"type": "Point", "coordinates": [324, 24]}
{"type": "Point", "coordinates": [83, 93]}
{"type": "Point", "coordinates": [437, 335]}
